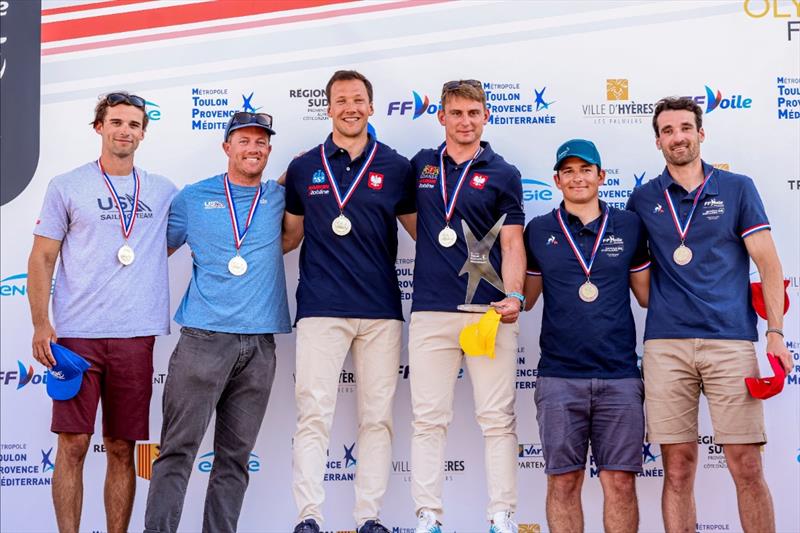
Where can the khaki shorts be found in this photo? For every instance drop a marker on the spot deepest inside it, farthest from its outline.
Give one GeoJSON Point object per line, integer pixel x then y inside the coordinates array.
{"type": "Point", "coordinates": [676, 370]}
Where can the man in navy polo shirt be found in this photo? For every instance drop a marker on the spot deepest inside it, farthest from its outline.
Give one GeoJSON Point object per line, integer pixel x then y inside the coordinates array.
{"type": "Point", "coordinates": [585, 255]}
{"type": "Point", "coordinates": [343, 199]}
{"type": "Point", "coordinates": [464, 181]}
{"type": "Point", "coordinates": [704, 226]}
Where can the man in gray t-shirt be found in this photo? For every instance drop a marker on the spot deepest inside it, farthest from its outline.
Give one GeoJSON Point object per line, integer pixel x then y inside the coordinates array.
{"type": "Point", "coordinates": [107, 221]}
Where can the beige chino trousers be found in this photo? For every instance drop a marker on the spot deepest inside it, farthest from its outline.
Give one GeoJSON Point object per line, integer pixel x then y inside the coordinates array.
{"type": "Point", "coordinates": [435, 358]}
{"type": "Point", "coordinates": [322, 345]}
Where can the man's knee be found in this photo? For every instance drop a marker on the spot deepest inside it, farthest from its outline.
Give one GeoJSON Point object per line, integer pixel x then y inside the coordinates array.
{"type": "Point", "coordinates": [565, 486]}
{"type": "Point", "coordinates": [744, 462]}
{"type": "Point", "coordinates": [680, 463]}
{"type": "Point", "coordinates": [72, 448]}
{"type": "Point", "coordinates": [119, 451]}
{"type": "Point", "coordinates": [617, 483]}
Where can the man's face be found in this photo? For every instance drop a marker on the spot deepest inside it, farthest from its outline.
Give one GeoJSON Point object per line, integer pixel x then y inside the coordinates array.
{"type": "Point", "coordinates": [349, 107]}
{"type": "Point", "coordinates": [463, 120]}
{"type": "Point", "coordinates": [121, 130]}
{"type": "Point", "coordinates": [578, 180]}
{"type": "Point", "coordinates": [248, 151]}
{"type": "Point", "coordinates": [678, 137]}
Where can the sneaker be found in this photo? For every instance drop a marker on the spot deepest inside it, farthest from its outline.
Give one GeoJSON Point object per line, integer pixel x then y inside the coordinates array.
{"type": "Point", "coordinates": [373, 526]}
{"type": "Point", "coordinates": [427, 523]}
{"type": "Point", "coordinates": [502, 523]}
{"type": "Point", "coordinates": [309, 525]}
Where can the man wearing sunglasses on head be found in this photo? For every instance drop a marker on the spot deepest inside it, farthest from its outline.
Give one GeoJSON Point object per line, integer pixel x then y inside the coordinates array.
{"type": "Point", "coordinates": [224, 361]}
{"type": "Point", "coordinates": [466, 195]}
{"type": "Point", "coordinates": [107, 222]}
{"type": "Point", "coordinates": [343, 199]}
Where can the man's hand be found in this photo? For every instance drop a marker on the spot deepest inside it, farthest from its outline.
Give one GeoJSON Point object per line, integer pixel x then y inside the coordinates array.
{"type": "Point", "coordinates": [508, 309]}
{"type": "Point", "coordinates": [42, 336]}
{"type": "Point", "coordinates": [777, 347]}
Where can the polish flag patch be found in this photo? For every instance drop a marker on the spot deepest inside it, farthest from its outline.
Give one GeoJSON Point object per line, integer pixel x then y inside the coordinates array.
{"type": "Point", "coordinates": [478, 181]}
{"type": "Point", "coordinates": [375, 181]}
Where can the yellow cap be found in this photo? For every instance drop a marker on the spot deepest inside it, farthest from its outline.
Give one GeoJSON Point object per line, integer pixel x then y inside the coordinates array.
{"type": "Point", "coordinates": [479, 338]}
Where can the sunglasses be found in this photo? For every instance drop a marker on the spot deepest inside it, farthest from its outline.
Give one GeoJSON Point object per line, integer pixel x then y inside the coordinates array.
{"type": "Point", "coordinates": [243, 118]}
{"type": "Point", "coordinates": [455, 84]}
{"type": "Point", "coordinates": [117, 98]}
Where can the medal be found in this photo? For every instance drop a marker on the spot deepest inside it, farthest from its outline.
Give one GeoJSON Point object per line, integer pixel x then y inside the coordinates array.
{"type": "Point", "coordinates": [237, 265]}
{"type": "Point", "coordinates": [448, 236]}
{"type": "Point", "coordinates": [683, 254]}
{"type": "Point", "coordinates": [341, 225]}
{"type": "Point", "coordinates": [588, 292]}
{"type": "Point", "coordinates": [125, 254]}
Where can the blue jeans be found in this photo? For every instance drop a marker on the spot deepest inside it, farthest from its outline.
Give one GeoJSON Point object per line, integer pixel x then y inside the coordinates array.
{"type": "Point", "coordinates": [233, 374]}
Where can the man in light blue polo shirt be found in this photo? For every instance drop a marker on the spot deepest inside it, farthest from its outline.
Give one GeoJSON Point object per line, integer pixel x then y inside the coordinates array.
{"type": "Point", "coordinates": [586, 256]}
{"type": "Point", "coordinates": [225, 358]}
{"type": "Point", "coordinates": [704, 226]}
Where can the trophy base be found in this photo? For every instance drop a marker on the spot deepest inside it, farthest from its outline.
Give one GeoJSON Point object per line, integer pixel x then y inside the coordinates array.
{"type": "Point", "coordinates": [474, 308]}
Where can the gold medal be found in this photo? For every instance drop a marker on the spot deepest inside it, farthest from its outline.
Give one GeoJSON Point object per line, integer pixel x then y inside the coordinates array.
{"type": "Point", "coordinates": [588, 292]}
{"type": "Point", "coordinates": [682, 255]}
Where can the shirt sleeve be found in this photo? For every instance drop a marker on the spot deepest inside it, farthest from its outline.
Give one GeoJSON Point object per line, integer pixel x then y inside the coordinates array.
{"type": "Point", "coordinates": [752, 216]}
{"type": "Point", "coordinates": [178, 224]}
{"type": "Point", "coordinates": [510, 200]}
{"type": "Point", "coordinates": [408, 202]}
{"type": "Point", "coordinates": [533, 265]}
{"type": "Point", "coordinates": [294, 202]}
{"type": "Point", "coordinates": [641, 257]}
{"type": "Point", "coordinates": [631, 205]}
{"type": "Point", "coordinates": [54, 219]}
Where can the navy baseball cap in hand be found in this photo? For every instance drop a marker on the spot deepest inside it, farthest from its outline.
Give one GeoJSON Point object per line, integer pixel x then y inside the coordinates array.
{"type": "Point", "coordinates": [66, 376]}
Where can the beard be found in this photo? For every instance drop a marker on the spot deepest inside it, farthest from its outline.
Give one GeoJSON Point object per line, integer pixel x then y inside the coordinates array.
{"type": "Point", "coordinates": [691, 153]}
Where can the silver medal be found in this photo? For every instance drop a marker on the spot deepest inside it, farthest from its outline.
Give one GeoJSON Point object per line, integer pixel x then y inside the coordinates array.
{"type": "Point", "coordinates": [237, 265]}
{"type": "Point", "coordinates": [448, 237]}
{"type": "Point", "coordinates": [682, 255]}
{"type": "Point", "coordinates": [588, 292]}
{"type": "Point", "coordinates": [125, 254]}
{"type": "Point", "coordinates": [341, 225]}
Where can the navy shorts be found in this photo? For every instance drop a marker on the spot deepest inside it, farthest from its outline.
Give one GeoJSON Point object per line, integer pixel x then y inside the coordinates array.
{"type": "Point", "coordinates": [606, 412]}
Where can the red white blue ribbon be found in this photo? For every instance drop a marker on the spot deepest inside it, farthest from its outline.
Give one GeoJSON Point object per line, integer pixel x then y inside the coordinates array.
{"type": "Point", "coordinates": [127, 224]}
{"type": "Point", "coordinates": [449, 208]}
{"type": "Point", "coordinates": [342, 200]}
{"type": "Point", "coordinates": [238, 234]}
{"type": "Point", "coordinates": [587, 267]}
{"type": "Point", "coordinates": [683, 230]}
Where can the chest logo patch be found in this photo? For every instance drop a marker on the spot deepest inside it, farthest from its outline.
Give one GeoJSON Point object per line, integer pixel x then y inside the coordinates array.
{"type": "Point", "coordinates": [478, 181]}
{"type": "Point", "coordinates": [375, 181]}
{"type": "Point", "coordinates": [318, 177]}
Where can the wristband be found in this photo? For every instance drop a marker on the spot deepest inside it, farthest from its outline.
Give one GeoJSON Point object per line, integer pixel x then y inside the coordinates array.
{"type": "Point", "coordinates": [518, 296]}
{"type": "Point", "coordinates": [774, 330]}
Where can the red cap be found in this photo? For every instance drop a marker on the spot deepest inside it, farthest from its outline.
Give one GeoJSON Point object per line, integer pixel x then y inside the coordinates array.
{"type": "Point", "coordinates": [758, 298]}
{"type": "Point", "coordinates": [764, 388]}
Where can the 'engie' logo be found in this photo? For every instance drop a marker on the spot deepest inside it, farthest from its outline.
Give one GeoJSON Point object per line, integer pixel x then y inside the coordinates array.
{"type": "Point", "coordinates": [536, 191]}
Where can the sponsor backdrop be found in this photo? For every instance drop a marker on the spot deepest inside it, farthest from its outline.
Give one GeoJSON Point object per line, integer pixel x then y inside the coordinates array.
{"type": "Point", "coordinates": [551, 70]}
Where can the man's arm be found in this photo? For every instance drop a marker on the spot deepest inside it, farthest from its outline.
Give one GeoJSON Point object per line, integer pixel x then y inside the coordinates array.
{"type": "Point", "coordinates": [513, 272]}
{"type": "Point", "coordinates": [761, 248]}
{"type": "Point", "coordinates": [533, 289]}
{"type": "Point", "coordinates": [409, 222]}
{"type": "Point", "coordinates": [640, 285]}
{"type": "Point", "coordinates": [41, 264]}
{"type": "Point", "coordinates": [292, 231]}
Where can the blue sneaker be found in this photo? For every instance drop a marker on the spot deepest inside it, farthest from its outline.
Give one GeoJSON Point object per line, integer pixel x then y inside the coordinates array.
{"type": "Point", "coordinates": [373, 526]}
{"type": "Point", "coordinates": [502, 523]}
{"type": "Point", "coordinates": [427, 523]}
{"type": "Point", "coordinates": [309, 525]}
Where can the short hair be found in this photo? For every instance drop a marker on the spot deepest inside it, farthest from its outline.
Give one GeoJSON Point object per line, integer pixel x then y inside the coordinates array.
{"type": "Point", "coordinates": [346, 75]}
{"type": "Point", "coordinates": [102, 106]}
{"type": "Point", "coordinates": [468, 89]}
{"type": "Point", "coordinates": [678, 103]}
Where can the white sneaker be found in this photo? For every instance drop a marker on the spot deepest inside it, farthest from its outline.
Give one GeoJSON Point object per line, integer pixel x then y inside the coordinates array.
{"type": "Point", "coordinates": [502, 523]}
{"type": "Point", "coordinates": [427, 523]}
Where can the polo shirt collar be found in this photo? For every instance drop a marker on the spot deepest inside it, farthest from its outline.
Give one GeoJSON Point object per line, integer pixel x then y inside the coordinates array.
{"type": "Point", "coordinates": [486, 155]}
{"type": "Point", "coordinates": [594, 226]}
{"type": "Point", "coordinates": [665, 180]}
{"type": "Point", "coordinates": [331, 149]}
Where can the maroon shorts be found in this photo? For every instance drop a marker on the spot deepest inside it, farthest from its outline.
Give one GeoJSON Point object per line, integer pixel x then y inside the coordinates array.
{"type": "Point", "coordinates": [122, 375]}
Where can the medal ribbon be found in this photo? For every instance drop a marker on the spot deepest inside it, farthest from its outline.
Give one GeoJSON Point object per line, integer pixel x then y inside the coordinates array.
{"type": "Point", "coordinates": [127, 225]}
{"type": "Point", "coordinates": [449, 208]}
{"type": "Point", "coordinates": [239, 235]}
{"type": "Point", "coordinates": [587, 268]}
{"type": "Point", "coordinates": [683, 230]}
{"type": "Point", "coordinates": [342, 201]}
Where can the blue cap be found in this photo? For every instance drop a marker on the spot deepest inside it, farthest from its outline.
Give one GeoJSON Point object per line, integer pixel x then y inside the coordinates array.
{"type": "Point", "coordinates": [581, 148]}
{"type": "Point", "coordinates": [64, 379]}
